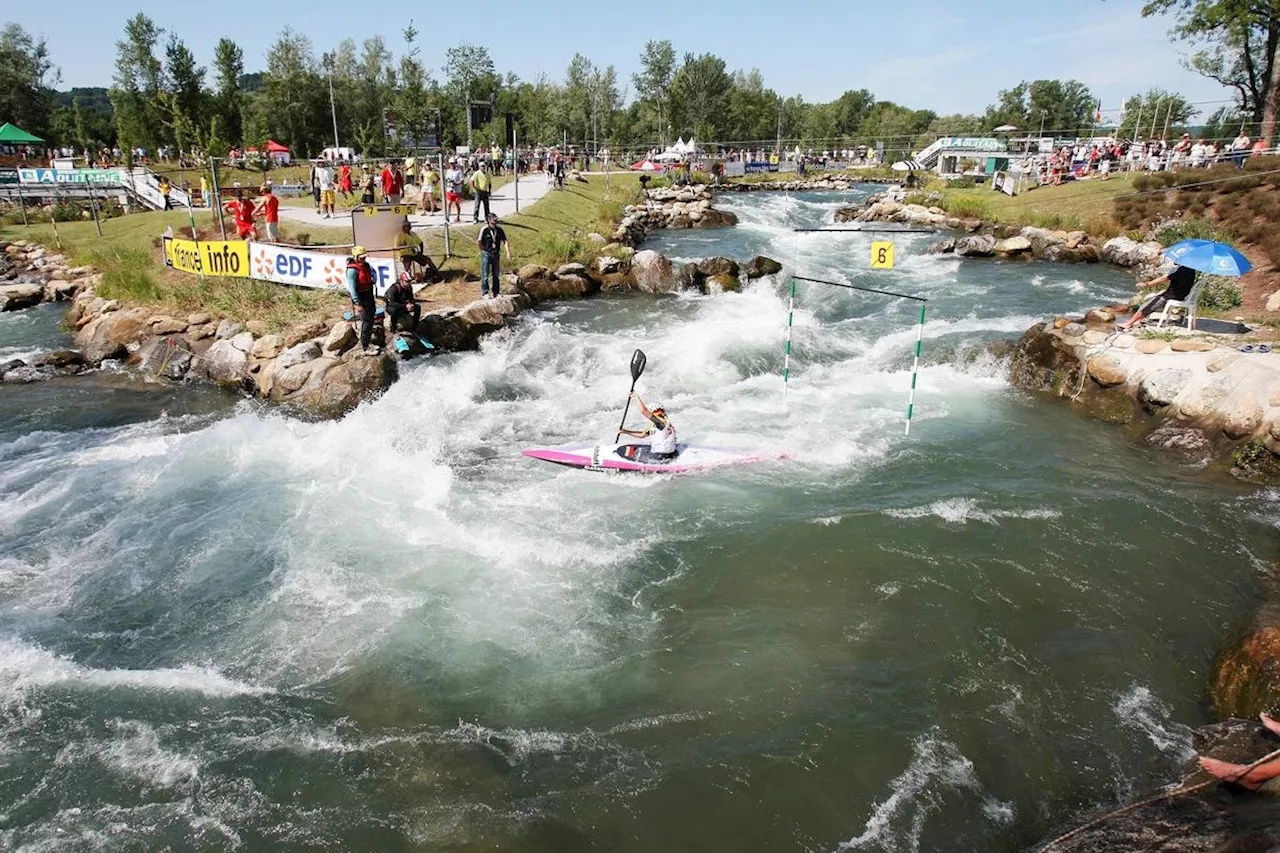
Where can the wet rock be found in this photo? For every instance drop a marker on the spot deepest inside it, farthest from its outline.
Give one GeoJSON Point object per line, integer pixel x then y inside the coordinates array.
{"type": "Point", "coordinates": [1247, 680]}
{"type": "Point", "coordinates": [11, 364]}
{"type": "Point", "coordinates": [942, 247]}
{"type": "Point", "coordinates": [109, 335]}
{"type": "Point", "coordinates": [1181, 438]}
{"type": "Point", "coordinates": [607, 265]}
{"type": "Point", "coordinates": [569, 287]}
{"type": "Point", "coordinates": [726, 282]}
{"type": "Point", "coordinates": [978, 246]}
{"type": "Point", "coordinates": [348, 383]}
{"type": "Point", "coordinates": [164, 325]}
{"type": "Point", "coordinates": [653, 272]}
{"type": "Point", "coordinates": [759, 267]}
{"type": "Point", "coordinates": [199, 333]}
{"type": "Point", "coordinates": [63, 359]}
{"type": "Point", "coordinates": [571, 269]}
{"type": "Point", "coordinates": [1160, 387]}
{"type": "Point", "coordinates": [1124, 252]}
{"type": "Point", "coordinates": [1064, 254]}
{"type": "Point", "coordinates": [1100, 316]}
{"type": "Point", "coordinates": [1242, 416]}
{"type": "Point", "coordinates": [225, 363]}
{"type": "Point", "coordinates": [718, 266]}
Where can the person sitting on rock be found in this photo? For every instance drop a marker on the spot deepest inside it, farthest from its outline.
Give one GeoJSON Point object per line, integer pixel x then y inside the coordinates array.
{"type": "Point", "coordinates": [662, 436]}
{"type": "Point", "coordinates": [1180, 282]}
{"type": "Point", "coordinates": [403, 310]}
{"type": "Point", "coordinates": [1264, 777]}
{"type": "Point", "coordinates": [412, 256]}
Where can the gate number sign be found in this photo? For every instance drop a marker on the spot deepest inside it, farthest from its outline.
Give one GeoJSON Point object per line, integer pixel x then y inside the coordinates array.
{"type": "Point", "coordinates": [882, 256]}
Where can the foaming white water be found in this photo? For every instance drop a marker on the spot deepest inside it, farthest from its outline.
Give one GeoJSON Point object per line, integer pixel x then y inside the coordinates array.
{"type": "Point", "coordinates": [964, 510]}
{"type": "Point", "coordinates": [1140, 709]}
{"type": "Point", "coordinates": [936, 768]}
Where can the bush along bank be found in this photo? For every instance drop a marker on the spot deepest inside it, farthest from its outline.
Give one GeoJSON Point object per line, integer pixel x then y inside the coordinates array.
{"type": "Point", "coordinates": [317, 364]}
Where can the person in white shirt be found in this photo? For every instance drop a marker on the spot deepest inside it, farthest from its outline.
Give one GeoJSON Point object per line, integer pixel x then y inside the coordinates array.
{"type": "Point", "coordinates": [1240, 148]}
{"type": "Point", "coordinates": [662, 436]}
{"type": "Point", "coordinates": [324, 179]}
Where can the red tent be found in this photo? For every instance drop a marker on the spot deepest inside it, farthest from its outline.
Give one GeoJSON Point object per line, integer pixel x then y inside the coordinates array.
{"type": "Point", "coordinates": [647, 166]}
{"type": "Point", "coordinates": [274, 147]}
{"type": "Point", "coordinates": [277, 152]}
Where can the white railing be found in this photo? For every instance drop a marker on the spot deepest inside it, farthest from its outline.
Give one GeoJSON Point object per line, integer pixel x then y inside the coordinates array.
{"type": "Point", "coordinates": [147, 187]}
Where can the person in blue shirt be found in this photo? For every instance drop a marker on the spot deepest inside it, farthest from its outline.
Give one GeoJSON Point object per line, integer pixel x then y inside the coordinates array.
{"type": "Point", "coordinates": [360, 286]}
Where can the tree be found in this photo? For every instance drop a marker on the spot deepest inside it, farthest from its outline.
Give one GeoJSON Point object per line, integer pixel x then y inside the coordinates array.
{"type": "Point", "coordinates": [1223, 124]}
{"type": "Point", "coordinates": [228, 64]}
{"type": "Point", "coordinates": [183, 98]}
{"type": "Point", "coordinates": [1234, 42]}
{"type": "Point", "coordinates": [576, 105]}
{"type": "Point", "coordinates": [1158, 111]}
{"type": "Point", "coordinates": [701, 89]}
{"type": "Point", "coordinates": [753, 109]}
{"type": "Point", "coordinates": [850, 109]}
{"type": "Point", "coordinates": [136, 84]}
{"type": "Point", "coordinates": [292, 92]}
{"type": "Point", "coordinates": [25, 76]}
{"type": "Point", "coordinates": [1061, 107]}
{"type": "Point", "coordinates": [412, 104]}
{"type": "Point", "coordinates": [653, 83]}
{"type": "Point", "coordinates": [465, 66]}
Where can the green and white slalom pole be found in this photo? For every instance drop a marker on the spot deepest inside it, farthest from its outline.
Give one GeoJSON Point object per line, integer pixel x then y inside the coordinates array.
{"type": "Point", "coordinates": [915, 369]}
{"type": "Point", "coordinates": [786, 358]}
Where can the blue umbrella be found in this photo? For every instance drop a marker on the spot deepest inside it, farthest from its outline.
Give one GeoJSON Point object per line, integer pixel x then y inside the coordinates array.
{"type": "Point", "coordinates": [1209, 257]}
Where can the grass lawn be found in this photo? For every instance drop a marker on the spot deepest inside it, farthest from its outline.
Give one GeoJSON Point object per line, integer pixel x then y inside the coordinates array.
{"type": "Point", "coordinates": [552, 231]}
{"type": "Point", "coordinates": [1087, 205]}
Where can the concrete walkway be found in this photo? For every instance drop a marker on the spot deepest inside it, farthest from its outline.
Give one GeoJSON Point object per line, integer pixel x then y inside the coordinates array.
{"type": "Point", "coordinates": [501, 202]}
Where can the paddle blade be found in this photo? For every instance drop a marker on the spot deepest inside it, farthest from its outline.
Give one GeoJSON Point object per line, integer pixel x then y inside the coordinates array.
{"type": "Point", "coordinates": [637, 364]}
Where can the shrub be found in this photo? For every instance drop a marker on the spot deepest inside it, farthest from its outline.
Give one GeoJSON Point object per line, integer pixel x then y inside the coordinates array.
{"type": "Point", "coordinates": [924, 199]}
{"type": "Point", "coordinates": [557, 248]}
{"type": "Point", "coordinates": [1170, 232]}
{"type": "Point", "coordinates": [1103, 226]}
{"type": "Point", "coordinates": [1220, 294]}
{"type": "Point", "coordinates": [126, 274]}
{"type": "Point", "coordinates": [968, 208]}
{"type": "Point", "coordinates": [659, 183]}
{"type": "Point", "coordinates": [965, 183]}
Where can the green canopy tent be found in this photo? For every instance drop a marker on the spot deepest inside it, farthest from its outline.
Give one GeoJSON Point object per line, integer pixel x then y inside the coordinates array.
{"type": "Point", "coordinates": [11, 134]}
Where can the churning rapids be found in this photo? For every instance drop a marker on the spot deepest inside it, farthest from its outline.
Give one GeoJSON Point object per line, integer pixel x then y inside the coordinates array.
{"type": "Point", "coordinates": [225, 628]}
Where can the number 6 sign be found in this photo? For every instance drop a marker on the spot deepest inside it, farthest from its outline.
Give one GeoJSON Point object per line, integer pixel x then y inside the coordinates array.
{"type": "Point", "coordinates": [882, 256]}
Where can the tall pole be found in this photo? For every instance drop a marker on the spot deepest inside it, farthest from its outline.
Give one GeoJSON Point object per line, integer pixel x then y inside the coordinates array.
{"type": "Point", "coordinates": [786, 358]}
{"type": "Point", "coordinates": [444, 187]}
{"type": "Point", "coordinates": [93, 208]}
{"type": "Point", "coordinates": [216, 201]}
{"type": "Point", "coordinates": [1154, 118]}
{"type": "Point", "coordinates": [1138, 121]}
{"type": "Point", "coordinates": [22, 204]}
{"type": "Point", "coordinates": [333, 110]}
{"type": "Point", "coordinates": [915, 368]}
{"type": "Point", "coordinates": [515, 162]}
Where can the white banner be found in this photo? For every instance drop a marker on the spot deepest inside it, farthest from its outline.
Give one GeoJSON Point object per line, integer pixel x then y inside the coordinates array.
{"type": "Point", "coordinates": [309, 268]}
{"type": "Point", "coordinates": [735, 169]}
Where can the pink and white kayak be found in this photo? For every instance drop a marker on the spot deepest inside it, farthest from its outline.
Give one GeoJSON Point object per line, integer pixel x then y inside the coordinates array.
{"type": "Point", "coordinates": [616, 457]}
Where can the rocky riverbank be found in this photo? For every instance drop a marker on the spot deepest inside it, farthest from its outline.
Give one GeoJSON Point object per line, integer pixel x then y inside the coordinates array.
{"type": "Point", "coordinates": [670, 207]}
{"type": "Point", "coordinates": [840, 182]}
{"type": "Point", "coordinates": [315, 364]}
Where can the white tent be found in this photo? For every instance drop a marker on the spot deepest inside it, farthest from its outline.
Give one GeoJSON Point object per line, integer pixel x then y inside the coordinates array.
{"type": "Point", "coordinates": [668, 156]}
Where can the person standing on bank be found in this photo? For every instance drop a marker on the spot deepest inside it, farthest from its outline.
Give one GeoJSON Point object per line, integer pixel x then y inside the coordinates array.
{"type": "Point", "coordinates": [360, 279]}
{"type": "Point", "coordinates": [491, 242]}
{"type": "Point", "coordinates": [481, 183]}
{"type": "Point", "coordinates": [269, 210]}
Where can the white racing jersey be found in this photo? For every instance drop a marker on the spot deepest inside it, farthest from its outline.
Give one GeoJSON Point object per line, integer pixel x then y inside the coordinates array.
{"type": "Point", "coordinates": [662, 439]}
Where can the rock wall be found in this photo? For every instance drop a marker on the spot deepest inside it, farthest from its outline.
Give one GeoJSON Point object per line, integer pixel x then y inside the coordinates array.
{"type": "Point", "coordinates": [670, 207]}
{"type": "Point", "coordinates": [837, 182]}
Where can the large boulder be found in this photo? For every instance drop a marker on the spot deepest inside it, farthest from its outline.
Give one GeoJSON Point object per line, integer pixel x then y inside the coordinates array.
{"type": "Point", "coordinates": [1042, 238]}
{"type": "Point", "coordinates": [341, 338]}
{"type": "Point", "coordinates": [109, 335]}
{"type": "Point", "coordinates": [759, 267]}
{"type": "Point", "coordinates": [571, 269]}
{"type": "Point", "coordinates": [1161, 387]}
{"type": "Point", "coordinates": [529, 272]}
{"type": "Point", "coordinates": [1125, 252]}
{"type": "Point", "coordinates": [725, 281]}
{"type": "Point", "coordinates": [298, 354]}
{"type": "Point", "coordinates": [268, 346]}
{"type": "Point", "coordinates": [1248, 676]}
{"type": "Point", "coordinates": [305, 332]}
{"type": "Point", "coordinates": [1107, 370]}
{"type": "Point", "coordinates": [1085, 253]}
{"type": "Point", "coordinates": [565, 287]}
{"type": "Point", "coordinates": [977, 246]}
{"type": "Point", "coordinates": [718, 266]}
{"type": "Point", "coordinates": [226, 360]}
{"type": "Point", "coordinates": [607, 265]}
{"type": "Point", "coordinates": [14, 297]}
{"type": "Point", "coordinates": [358, 378]}
{"type": "Point", "coordinates": [1013, 246]}
{"type": "Point", "coordinates": [653, 272]}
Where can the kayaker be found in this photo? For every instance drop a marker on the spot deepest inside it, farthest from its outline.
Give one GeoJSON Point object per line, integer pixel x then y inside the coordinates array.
{"type": "Point", "coordinates": [662, 436]}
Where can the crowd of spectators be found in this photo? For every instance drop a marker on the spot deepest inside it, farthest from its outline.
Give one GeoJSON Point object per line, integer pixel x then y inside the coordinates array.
{"type": "Point", "coordinates": [1101, 157]}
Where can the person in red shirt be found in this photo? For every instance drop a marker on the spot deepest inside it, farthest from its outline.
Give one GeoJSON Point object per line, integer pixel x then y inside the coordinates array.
{"type": "Point", "coordinates": [388, 183]}
{"type": "Point", "coordinates": [269, 210]}
{"type": "Point", "coordinates": [241, 208]}
{"type": "Point", "coordinates": [344, 183]}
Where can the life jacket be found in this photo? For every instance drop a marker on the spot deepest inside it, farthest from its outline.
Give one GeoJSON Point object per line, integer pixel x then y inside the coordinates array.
{"type": "Point", "coordinates": [364, 276]}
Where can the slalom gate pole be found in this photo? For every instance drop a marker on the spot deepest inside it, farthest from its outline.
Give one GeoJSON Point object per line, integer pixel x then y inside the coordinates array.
{"type": "Point", "coordinates": [786, 358]}
{"type": "Point", "coordinates": [915, 369]}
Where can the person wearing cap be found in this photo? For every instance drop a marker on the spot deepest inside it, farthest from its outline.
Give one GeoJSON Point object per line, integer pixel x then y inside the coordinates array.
{"type": "Point", "coordinates": [360, 286]}
{"type": "Point", "coordinates": [481, 183]}
{"type": "Point", "coordinates": [662, 435]}
{"type": "Point", "coordinates": [269, 210]}
{"type": "Point", "coordinates": [411, 254]}
{"type": "Point", "coordinates": [491, 242]}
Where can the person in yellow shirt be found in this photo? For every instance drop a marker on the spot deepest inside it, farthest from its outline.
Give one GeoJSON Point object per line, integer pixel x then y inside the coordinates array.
{"type": "Point", "coordinates": [409, 248]}
{"type": "Point", "coordinates": [481, 183]}
{"type": "Point", "coordinates": [429, 183]}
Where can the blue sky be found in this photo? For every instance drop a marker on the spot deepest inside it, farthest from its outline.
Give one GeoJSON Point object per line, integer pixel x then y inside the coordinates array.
{"type": "Point", "coordinates": [953, 58]}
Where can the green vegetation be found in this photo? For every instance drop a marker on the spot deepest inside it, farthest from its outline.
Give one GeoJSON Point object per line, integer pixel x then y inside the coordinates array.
{"type": "Point", "coordinates": [1220, 294]}
{"type": "Point", "coordinates": [1074, 206]}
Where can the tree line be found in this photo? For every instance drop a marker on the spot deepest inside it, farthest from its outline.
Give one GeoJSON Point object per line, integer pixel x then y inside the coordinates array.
{"type": "Point", "coordinates": [382, 103]}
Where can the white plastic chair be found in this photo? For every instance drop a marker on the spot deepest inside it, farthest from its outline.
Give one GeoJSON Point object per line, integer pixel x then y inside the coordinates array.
{"type": "Point", "coordinates": [1188, 306]}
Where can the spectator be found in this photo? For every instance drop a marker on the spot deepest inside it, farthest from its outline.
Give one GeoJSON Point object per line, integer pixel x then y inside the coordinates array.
{"type": "Point", "coordinates": [491, 242]}
{"type": "Point", "coordinates": [204, 191]}
{"type": "Point", "coordinates": [411, 254]}
{"type": "Point", "coordinates": [324, 177]}
{"type": "Point", "coordinates": [344, 182]}
{"type": "Point", "coordinates": [1240, 148]}
{"type": "Point", "coordinates": [428, 181]}
{"type": "Point", "coordinates": [269, 210]}
{"type": "Point", "coordinates": [1260, 146]}
{"type": "Point", "coordinates": [368, 188]}
{"type": "Point", "coordinates": [360, 287]}
{"type": "Point", "coordinates": [392, 183]}
{"type": "Point", "coordinates": [314, 182]}
{"type": "Point", "coordinates": [165, 189]}
{"type": "Point", "coordinates": [480, 185]}
{"type": "Point", "coordinates": [453, 193]}
{"type": "Point", "coordinates": [241, 209]}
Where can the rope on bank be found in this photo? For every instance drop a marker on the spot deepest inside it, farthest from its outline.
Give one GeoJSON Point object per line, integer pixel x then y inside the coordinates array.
{"type": "Point", "coordinates": [1168, 795]}
{"type": "Point", "coordinates": [1089, 353]}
